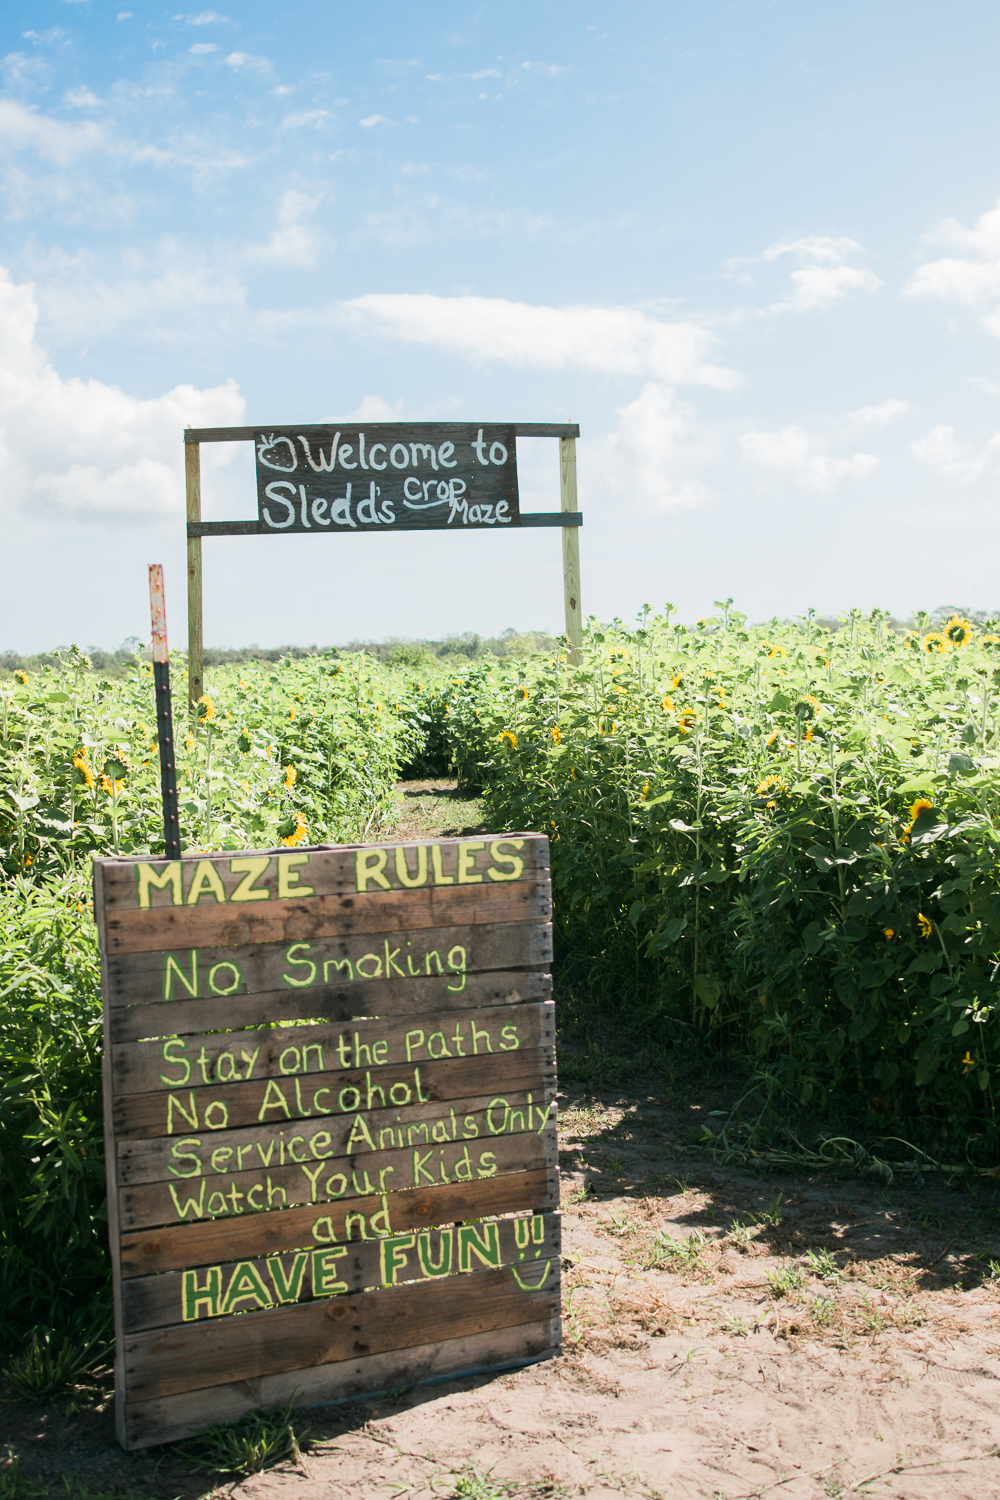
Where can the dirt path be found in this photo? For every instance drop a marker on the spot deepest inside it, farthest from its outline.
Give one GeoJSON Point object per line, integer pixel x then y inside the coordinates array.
{"type": "Point", "coordinates": [726, 1336]}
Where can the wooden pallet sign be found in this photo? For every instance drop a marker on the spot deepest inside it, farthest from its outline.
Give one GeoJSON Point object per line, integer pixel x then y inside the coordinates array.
{"type": "Point", "coordinates": [329, 1095]}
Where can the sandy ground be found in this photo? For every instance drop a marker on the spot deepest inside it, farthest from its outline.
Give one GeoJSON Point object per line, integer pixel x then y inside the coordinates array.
{"type": "Point", "coordinates": [725, 1337]}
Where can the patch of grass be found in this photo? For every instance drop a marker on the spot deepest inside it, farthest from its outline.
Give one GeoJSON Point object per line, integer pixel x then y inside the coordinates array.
{"type": "Point", "coordinates": [786, 1280]}
{"type": "Point", "coordinates": [474, 1483]}
{"type": "Point", "coordinates": [620, 1224]}
{"type": "Point", "coordinates": [53, 1363]}
{"type": "Point", "coordinates": [822, 1309]}
{"type": "Point", "coordinates": [664, 1251]}
{"type": "Point", "coordinates": [740, 1233]}
{"type": "Point", "coordinates": [823, 1266]}
{"type": "Point", "coordinates": [770, 1215]}
{"type": "Point", "coordinates": [258, 1441]}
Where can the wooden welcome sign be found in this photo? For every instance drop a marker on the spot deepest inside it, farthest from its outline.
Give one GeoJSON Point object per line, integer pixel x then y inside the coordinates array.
{"type": "Point", "coordinates": [329, 1099]}
{"type": "Point", "coordinates": [349, 479]}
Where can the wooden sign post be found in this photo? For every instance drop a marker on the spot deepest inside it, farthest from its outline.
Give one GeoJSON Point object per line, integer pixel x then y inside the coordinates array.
{"type": "Point", "coordinates": [382, 477]}
{"type": "Point", "coordinates": [329, 1093]}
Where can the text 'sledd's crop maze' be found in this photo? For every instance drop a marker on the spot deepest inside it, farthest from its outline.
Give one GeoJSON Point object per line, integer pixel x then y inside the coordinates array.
{"type": "Point", "coordinates": [329, 1117]}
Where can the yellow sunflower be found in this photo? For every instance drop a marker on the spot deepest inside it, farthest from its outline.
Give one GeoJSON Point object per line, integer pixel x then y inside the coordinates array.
{"type": "Point", "coordinates": [506, 735]}
{"type": "Point", "coordinates": [958, 631]}
{"type": "Point", "coordinates": [293, 830]}
{"type": "Point", "coordinates": [925, 924]}
{"type": "Point", "coordinates": [934, 643]}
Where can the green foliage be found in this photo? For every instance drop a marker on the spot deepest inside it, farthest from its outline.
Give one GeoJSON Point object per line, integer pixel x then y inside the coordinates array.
{"type": "Point", "coordinates": [306, 751]}
{"type": "Point", "coordinates": [780, 837]}
{"type": "Point", "coordinates": [52, 1364]}
{"type": "Point", "coordinates": [53, 1230]}
{"type": "Point", "coordinates": [233, 1450]}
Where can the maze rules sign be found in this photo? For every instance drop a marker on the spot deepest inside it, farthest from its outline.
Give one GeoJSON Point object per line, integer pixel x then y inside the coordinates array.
{"type": "Point", "coordinates": [329, 1116]}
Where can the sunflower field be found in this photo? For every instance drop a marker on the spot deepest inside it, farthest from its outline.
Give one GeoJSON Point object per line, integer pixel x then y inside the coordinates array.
{"type": "Point", "coordinates": [783, 836]}
{"type": "Point", "coordinates": [779, 839]}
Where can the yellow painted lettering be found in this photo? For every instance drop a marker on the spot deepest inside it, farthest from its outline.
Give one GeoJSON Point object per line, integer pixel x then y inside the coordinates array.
{"type": "Point", "coordinates": [289, 876]}
{"type": "Point", "coordinates": [467, 861]}
{"type": "Point", "coordinates": [369, 864]}
{"type": "Point", "coordinates": [514, 865]}
{"type": "Point", "coordinates": [402, 871]}
{"type": "Point", "coordinates": [251, 867]}
{"type": "Point", "coordinates": [149, 879]}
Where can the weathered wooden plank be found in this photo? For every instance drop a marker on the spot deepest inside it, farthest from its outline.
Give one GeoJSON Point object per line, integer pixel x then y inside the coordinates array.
{"type": "Point", "coordinates": [143, 1252]}
{"type": "Point", "coordinates": [298, 1276]}
{"type": "Point", "coordinates": [200, 1355]}
{"type": "Point", "coordinates": [503, 1111]}
{"type": "Point", "coordinates": [521, 429]}
{"type": "Point", "coordinates": [228, 1106]}
{"type": "Point", "coordinates": [571, 551]}
{"type": "Point", "coordinates": [114, 1222]}
{"type": "Point", "coordinates": [188, 971]}
{"type": "Point", "coordinates": [254, 877]}
{"type": "Point", "coordinates": [333, 1179]}
{"type": "Point", "coordinates": [172, 1418]}
{"type": "Point", "coordinates": [225, 1057]}
{"type": "Point", "coordinates": [497, 944]}
{"type": "Point", "coordinates": [196, 651]}
{"type": "Point", "coordinates": [367, 997]}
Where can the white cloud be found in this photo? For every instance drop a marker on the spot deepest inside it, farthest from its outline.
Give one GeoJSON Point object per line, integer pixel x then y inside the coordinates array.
{"type": "Point", "coordinates": [293, 243]}
{"type": "Point", "coordinates": [802, 457]}
{"type": "Point", "coordinates": [879, 416]}
{"type": "Point", "coordinates": [941, 451]}
{"type": "Point", "coordinates": [304, 117]}
{"type": "Point", "coordinates": [822, 276]}
{"type": "Point", "coordinates": [971, 279]}
{"type": "Point", "coordinates": [204, 18]}
{"type": "Point", "coordinates": [80, 98]}
{"type": "Point", "coordinates": [252, 64]}
{"type": "Point", "coordinates": [487, 73]}
{"type": "Point", "coordinates": [200, 48]}
{"type": "Point", "coordinates": [81, 450]}
{"type": "Point", "coordinates": [372, 409]}
{"type": "Point", "coordinates": [371, 120]}
{"type": "Point", "coordinates": [599, 340]}
{"type": "Point", "coordinates": [647, 462]}
{"type": "Point", "coordinates": [56, 140]}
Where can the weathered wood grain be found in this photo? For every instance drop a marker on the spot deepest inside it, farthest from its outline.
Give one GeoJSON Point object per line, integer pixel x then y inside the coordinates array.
{"type": "Point", "coordinates": [341, 1002]}
{"type": "Point", "coordinates": [158, 1301]}
{"type": "Point", "coordinates": [172, 1418]}
{"type": "Point", "coordinates": [334, 1180]}
{"type": "Point", "coordinates": [171, 974]}
{"type": "Point", "coordinates": [171, 1159]}
{"type": "Point", "coordinates": [333, 870]}
{"type": "Point", "coordinates": [199, 1355]}
{"type": "Point", "coordinates": [287, 1051]}
{"type": "Point", "coordinates": [498, 945]}
{"type": "Point", "coordinates": [143, 1252]}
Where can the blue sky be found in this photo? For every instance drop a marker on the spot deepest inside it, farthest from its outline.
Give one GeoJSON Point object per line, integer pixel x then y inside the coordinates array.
{"type": "Point", "coordinates": [753, 248]}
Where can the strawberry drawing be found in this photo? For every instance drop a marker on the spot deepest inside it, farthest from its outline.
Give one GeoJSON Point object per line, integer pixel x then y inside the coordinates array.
{"type": "Point", "coordinates": [270, 455]}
